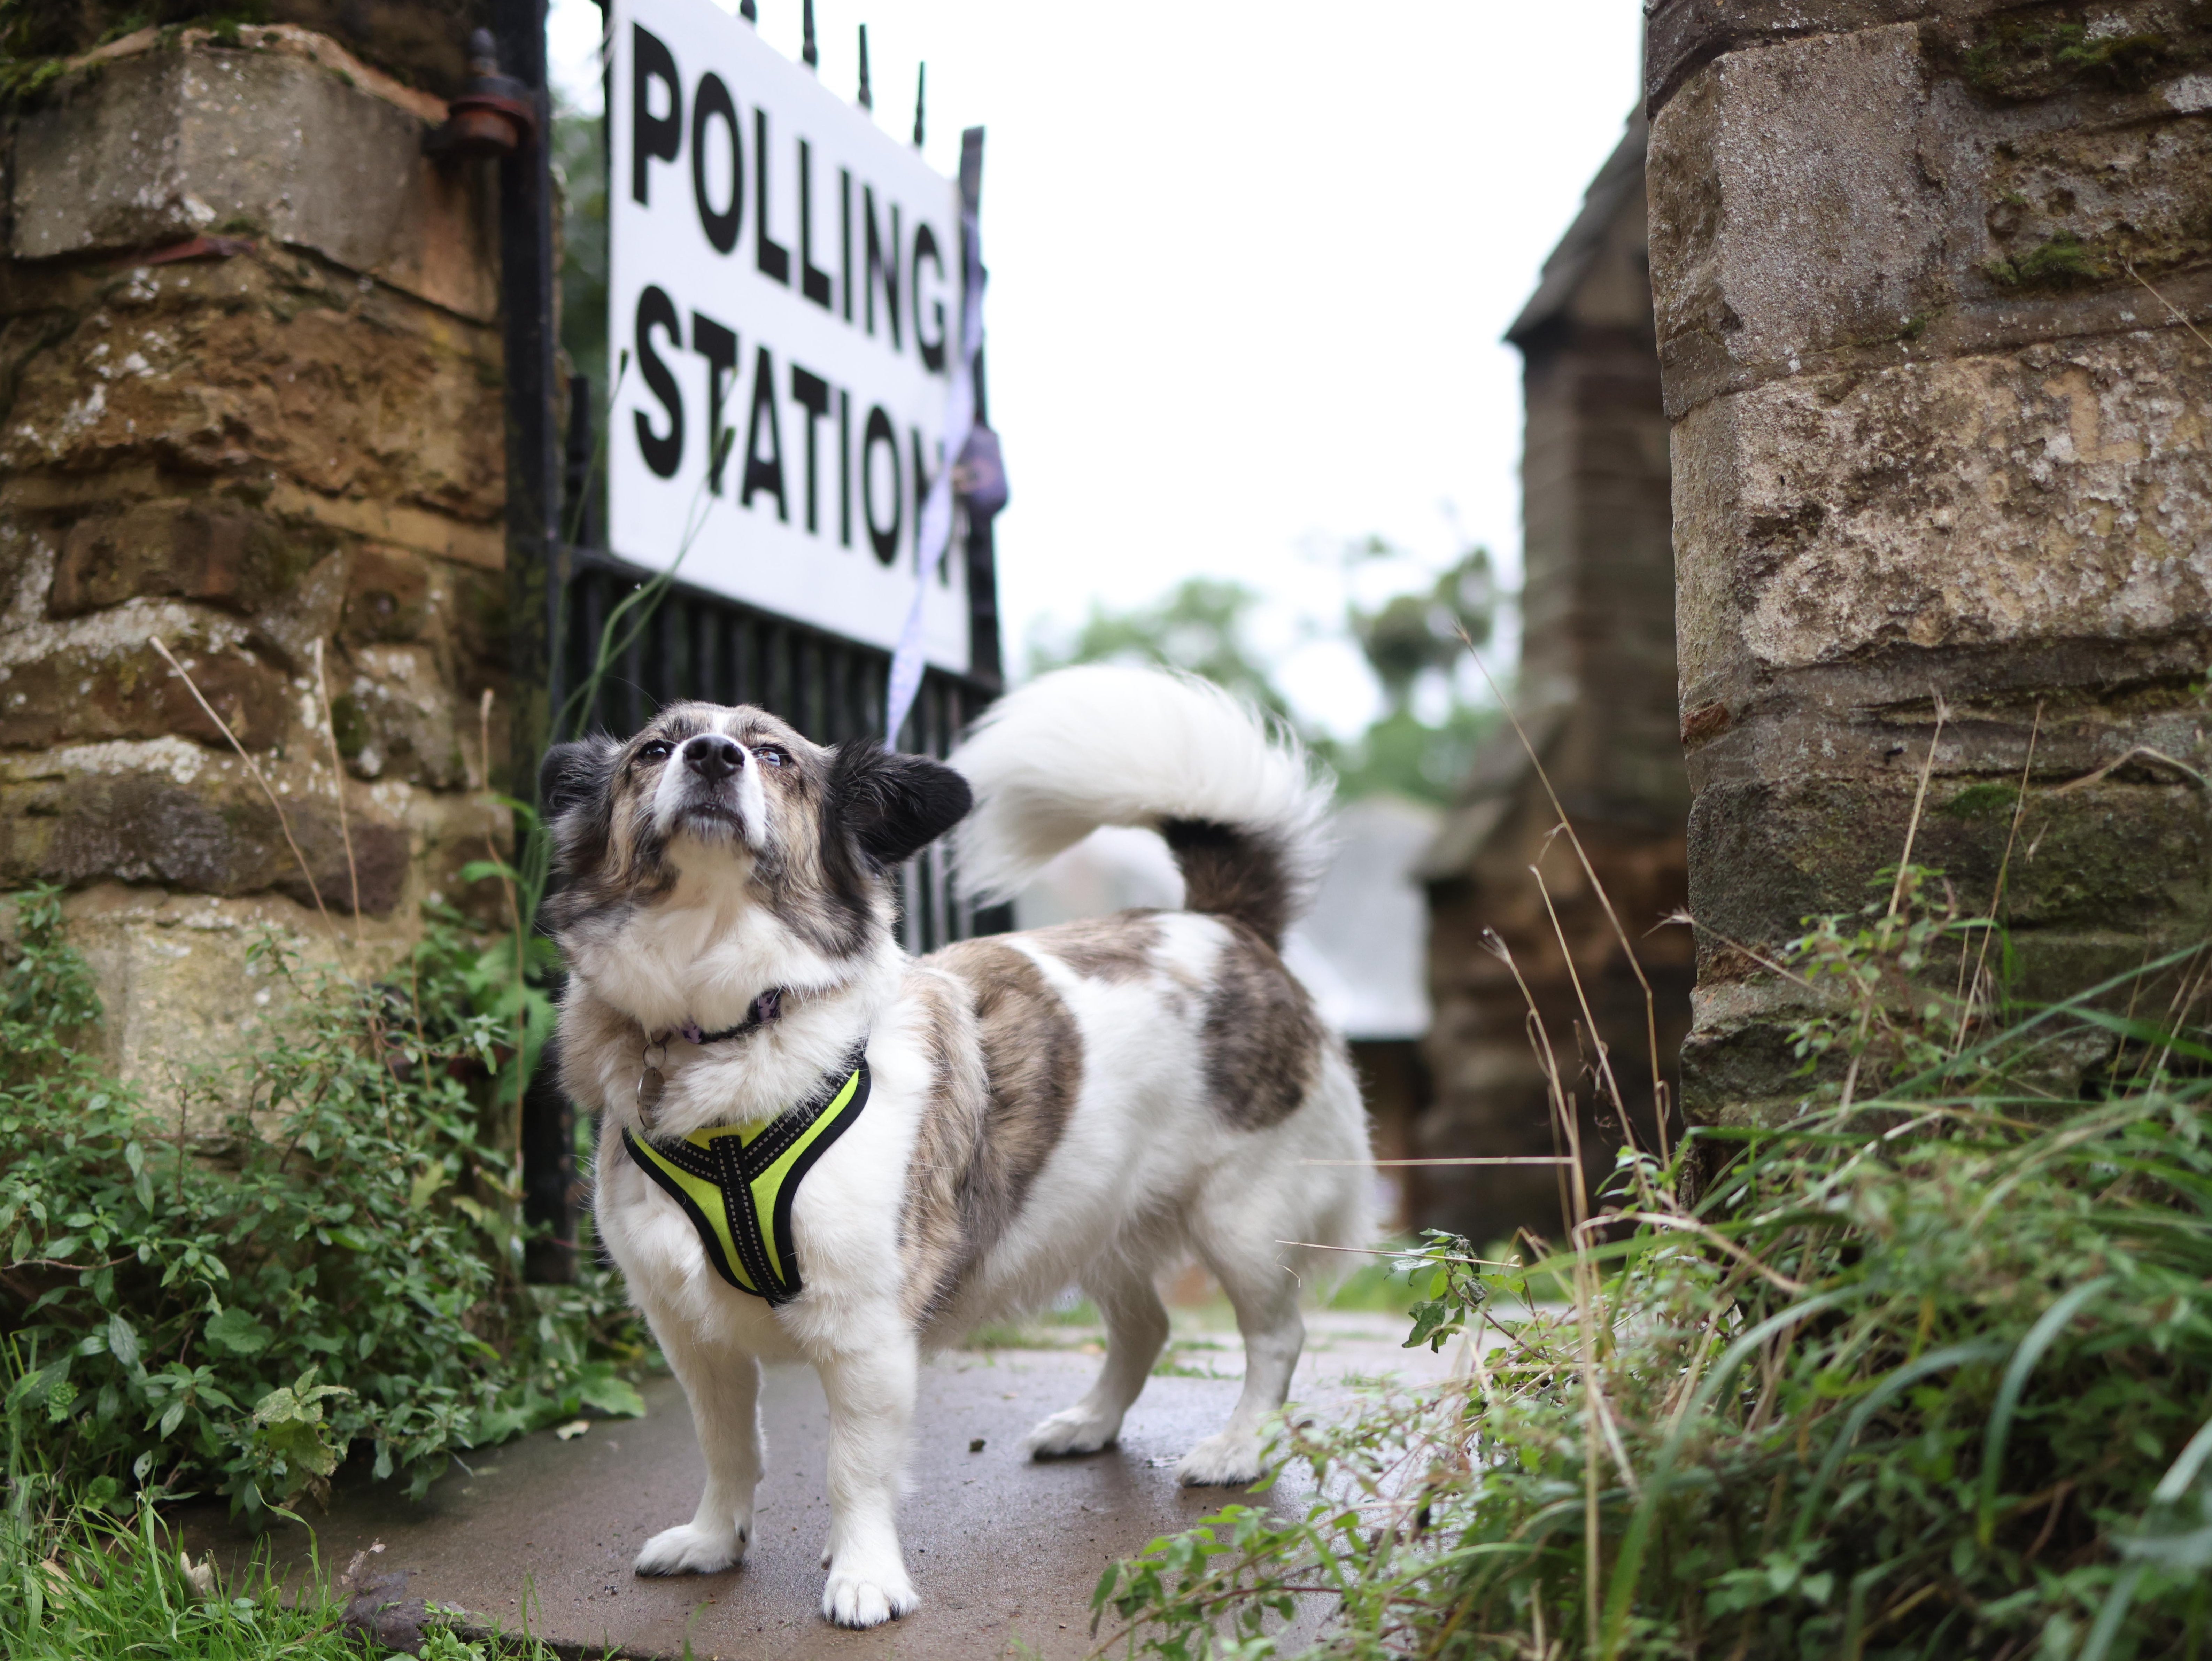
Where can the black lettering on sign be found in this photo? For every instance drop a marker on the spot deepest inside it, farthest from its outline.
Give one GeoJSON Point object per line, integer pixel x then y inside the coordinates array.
{"type": "Point", "coordinates": [845, 218]}
{"type": "Point", "coordinates": [664, 451]}
{"type": "Point", "coordinates": [764, 472]}
{"type": "Point", "coordinates": [718, 346]}
{"type": "Point", "coordinates": [884, 540]}
{"type": "Point", "coordinates": [811, 393]}
{"type": "Point", "coordinates": [652, 135]}
{"type": "Point", "coordinates": [887, 274]}
{"type": "Point", "coordinates": [844, 468]}
{"type": "Point", "coordinates": [712, 102]}
{"type": "Point", "coordinates": [771, 256]}
{"type": "Point", "coordinates": [813, 283]}
{"type": "Point", "coordinates": [925, 247]}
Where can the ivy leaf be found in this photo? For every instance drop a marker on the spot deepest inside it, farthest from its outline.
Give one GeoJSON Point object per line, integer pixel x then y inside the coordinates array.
{"type": "Point", "coordinates": [610, 1395]}
{"type": "Point", "coordinates": [235, 1332]}
{"type": "Point", "coordinates": [122, 1342]}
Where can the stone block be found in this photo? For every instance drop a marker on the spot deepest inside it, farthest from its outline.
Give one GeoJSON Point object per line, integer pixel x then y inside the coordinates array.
{"type": "Point", "coordinates": [2129, 853]}
{"type": "Point", "coordinates": [395, 719]}
{"type": "Point", "coordinates": [184, 1000]}
{"type": "Point", "coordinates": [1682, 36]}
{"type": "Point", "coordinates": [90, 690]}
{"type": "Point", "coordinates": [190, 550]}
{"type": "Point", "coordinates": [2060, 494]}
{"type": "Point", "coordinates": [251, 135]}
{"type": "Point", "coordinates": [1967, 220]}
{"type": "Point", "coordinates": [214, 833]}
{"type": "Point", "coordinates": [254, 367]}
{"type": "Point", "coordinates": [387, 596]}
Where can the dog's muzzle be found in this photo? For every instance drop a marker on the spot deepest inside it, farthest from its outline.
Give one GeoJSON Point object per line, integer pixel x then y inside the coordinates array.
{"type": "Point", "coordinates": [714, 793]}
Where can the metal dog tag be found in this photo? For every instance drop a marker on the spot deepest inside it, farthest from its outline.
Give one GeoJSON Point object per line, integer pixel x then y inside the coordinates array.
{"type": "Point", "coordinates": [650, 1084]}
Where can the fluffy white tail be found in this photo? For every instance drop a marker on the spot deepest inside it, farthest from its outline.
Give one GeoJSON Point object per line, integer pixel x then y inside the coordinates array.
{"type": "Point", "coordinates": [1101, 744]}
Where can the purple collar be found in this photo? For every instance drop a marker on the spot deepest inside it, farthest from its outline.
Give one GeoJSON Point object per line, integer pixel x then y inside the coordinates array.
{"type": "Point", "coordinates": [767, 1008]}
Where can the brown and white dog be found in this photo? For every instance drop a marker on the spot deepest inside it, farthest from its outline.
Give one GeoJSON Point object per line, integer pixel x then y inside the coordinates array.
{"type": "Point", "coordinates": [1086, 1104]}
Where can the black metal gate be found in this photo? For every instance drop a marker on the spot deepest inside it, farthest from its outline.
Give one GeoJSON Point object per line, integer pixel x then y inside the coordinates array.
{"type": "Point", "coordinates": [693, 644]}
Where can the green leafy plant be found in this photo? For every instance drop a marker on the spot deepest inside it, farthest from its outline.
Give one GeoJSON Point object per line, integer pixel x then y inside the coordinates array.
{"type": "Point", "coordinates": [1924, 1372]}
{"type": "Point", "coordinates": [327, 1262]}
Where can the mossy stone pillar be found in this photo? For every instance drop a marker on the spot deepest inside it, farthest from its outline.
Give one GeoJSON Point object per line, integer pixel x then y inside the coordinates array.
{"type": "Point", "coordinates": [1940, 432]}
{"type": "Point", "coordinates": [250, 405]}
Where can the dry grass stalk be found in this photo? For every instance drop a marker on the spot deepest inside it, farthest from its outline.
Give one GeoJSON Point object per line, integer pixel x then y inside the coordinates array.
{"type": "Point", "coordinates": [284, 820]}
{"type": "Point", "coordinates": [1650, 1002]}
{"type": "Point", "coordinates": [514, 919]}
{"type": "Point", "coordinates": [2178, 316]}
{"type": "Point", "coordinates": [337, 785]}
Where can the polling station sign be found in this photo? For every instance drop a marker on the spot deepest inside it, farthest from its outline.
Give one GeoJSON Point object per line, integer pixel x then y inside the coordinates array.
{"type": "Point", "coordinates": [786, 278]}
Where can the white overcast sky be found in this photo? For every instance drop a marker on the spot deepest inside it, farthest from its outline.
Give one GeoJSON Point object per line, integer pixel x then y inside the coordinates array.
{"type": "Point", "coordinates": [1249, 265]}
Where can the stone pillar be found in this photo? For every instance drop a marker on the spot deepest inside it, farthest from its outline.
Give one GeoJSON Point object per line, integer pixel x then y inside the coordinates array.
{"type": "Point", "coordinates": [250, 403]}
{"type": "Point", "coordinates": [1934, 438]}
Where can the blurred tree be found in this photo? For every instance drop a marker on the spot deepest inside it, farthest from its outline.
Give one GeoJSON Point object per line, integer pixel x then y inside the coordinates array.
{"type": "Point", "coordinates": [580, 170]}
{"type": "Point", "coordinates": [1417, 634]}
{"type": "Point", "coordinates": [1202, 627]}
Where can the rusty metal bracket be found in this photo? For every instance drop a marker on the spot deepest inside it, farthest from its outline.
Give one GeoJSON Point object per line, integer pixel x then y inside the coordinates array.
{"type": "Point", "coordinates": [495, 115]}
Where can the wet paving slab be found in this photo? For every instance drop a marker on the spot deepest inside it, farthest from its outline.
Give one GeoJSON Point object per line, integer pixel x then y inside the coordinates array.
{"type": "Point", "coordinates": [1005, 1551]}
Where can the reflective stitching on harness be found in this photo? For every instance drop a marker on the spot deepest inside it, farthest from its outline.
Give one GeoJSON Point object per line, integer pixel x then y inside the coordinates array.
{"type": "Point", "coordinates": [737, 1184]}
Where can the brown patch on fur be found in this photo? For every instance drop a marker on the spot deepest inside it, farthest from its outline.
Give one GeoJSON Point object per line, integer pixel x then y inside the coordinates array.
{"type": "Point", "coordinates": [1116, 948]}
{"type": "Point", "coordinates": [1262, 1037]}
{"type": "Point", "coordinates": [1008, 1064]}
{"type": "Point", "coordinates": [1231, 873]}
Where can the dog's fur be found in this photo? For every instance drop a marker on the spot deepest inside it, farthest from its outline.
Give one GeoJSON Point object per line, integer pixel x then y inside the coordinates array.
{"type": "Point", "coordinates": [1081, 1105]}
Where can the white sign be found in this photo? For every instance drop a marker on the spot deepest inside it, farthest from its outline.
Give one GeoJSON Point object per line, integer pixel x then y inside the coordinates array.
{"type": "Point", "coordinates": [783, 272]}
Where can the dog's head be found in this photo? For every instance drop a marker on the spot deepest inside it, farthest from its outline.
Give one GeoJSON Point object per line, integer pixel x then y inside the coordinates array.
{"type": "Point", "coordinates": [738, 796]}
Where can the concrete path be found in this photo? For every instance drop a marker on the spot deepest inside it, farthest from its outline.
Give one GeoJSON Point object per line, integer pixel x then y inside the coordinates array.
{"type": "Point", "coordinates": [1004, 1550]}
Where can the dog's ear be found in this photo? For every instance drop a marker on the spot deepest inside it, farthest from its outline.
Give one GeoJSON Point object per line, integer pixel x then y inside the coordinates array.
{"type": "Point", "coordinates": [893, 805]}
{"type": "Point", "coordinates": [572, 774]}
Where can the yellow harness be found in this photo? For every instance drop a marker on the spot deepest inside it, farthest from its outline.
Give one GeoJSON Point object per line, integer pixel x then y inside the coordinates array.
{"type": "Point", "coordinates": [737, 1184]}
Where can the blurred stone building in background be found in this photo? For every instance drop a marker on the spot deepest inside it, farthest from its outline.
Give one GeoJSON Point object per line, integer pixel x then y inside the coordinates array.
{"type": "Point", "coordinates": [1597, 698]}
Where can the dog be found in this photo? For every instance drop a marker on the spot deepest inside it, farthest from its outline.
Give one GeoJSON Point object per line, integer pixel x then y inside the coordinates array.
{"type": "Point", "coordinates": [1091, 1104]}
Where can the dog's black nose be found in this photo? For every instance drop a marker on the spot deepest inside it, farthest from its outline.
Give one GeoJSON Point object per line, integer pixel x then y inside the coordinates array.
{"type": "Point", "coordinates": [713, 757]}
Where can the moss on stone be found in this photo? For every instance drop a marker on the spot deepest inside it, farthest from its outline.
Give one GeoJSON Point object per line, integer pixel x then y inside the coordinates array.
{"type": "Point", "coordinates": [2063, 262]}
{"type": "Point", "coordinates": [2022, 58]}
{"type": "Point", "coordinates": [1986, 800]}
{"type": "Point", "coordinates": [348, 725]}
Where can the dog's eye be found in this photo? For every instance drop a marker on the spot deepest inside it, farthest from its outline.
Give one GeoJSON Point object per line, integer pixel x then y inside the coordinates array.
{"type": "Point", "coordinates": [659, 750]}
{"type": "Point", "coordinates": [771, 756]}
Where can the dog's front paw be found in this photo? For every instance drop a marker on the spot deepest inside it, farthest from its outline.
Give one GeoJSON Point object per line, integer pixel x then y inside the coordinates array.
{"type": "Point", "coordinates": [689, 1549]}
{"type": "Point", "coordinates": [1225, 1461]}
{"type": "Point", "coordinates": [861, 1593]}
{"type": "Point", "coordinates": [1072, 1430]}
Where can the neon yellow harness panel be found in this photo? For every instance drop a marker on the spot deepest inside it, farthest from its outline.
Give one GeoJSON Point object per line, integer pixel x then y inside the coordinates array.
{"type": "Point", "coordinates": [737, 1184]}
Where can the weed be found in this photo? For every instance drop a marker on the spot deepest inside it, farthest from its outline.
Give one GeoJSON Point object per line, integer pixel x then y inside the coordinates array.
{"type": "Point", "coordinates": [1927, 1374]}
{"type": "Point", "coordinates": [336, 1266]}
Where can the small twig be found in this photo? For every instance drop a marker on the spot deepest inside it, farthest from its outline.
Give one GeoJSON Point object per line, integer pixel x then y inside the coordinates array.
{"type": "Point", "coordinates": [2004, 865]}
{"type": "Point", "coordinates": [1651, 1001]}
{"type": "Point", "coordinates": [259, 778]}
{"type": "Point", "coordinates": [1704, 1231]}
{"type": "Point", "coordinates": [1919, 802]}
{"type": "Point", "coordinates": [2109, 767]}
{"type": "Point", "coordinates": [337, 785]}
{"type": "Point", "coordinates": [2178, 315]}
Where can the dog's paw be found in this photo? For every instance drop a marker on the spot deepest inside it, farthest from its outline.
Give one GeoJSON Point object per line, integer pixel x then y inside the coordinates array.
{"type": "Point", "coordinates": [1072, 1430]}
{"type": "Point", "coordinates": [689, 1548]}
{"type": "Point", "coordinates": [1225, 1461]}
{"type": "Point", "coordinates": [867, 1594]}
